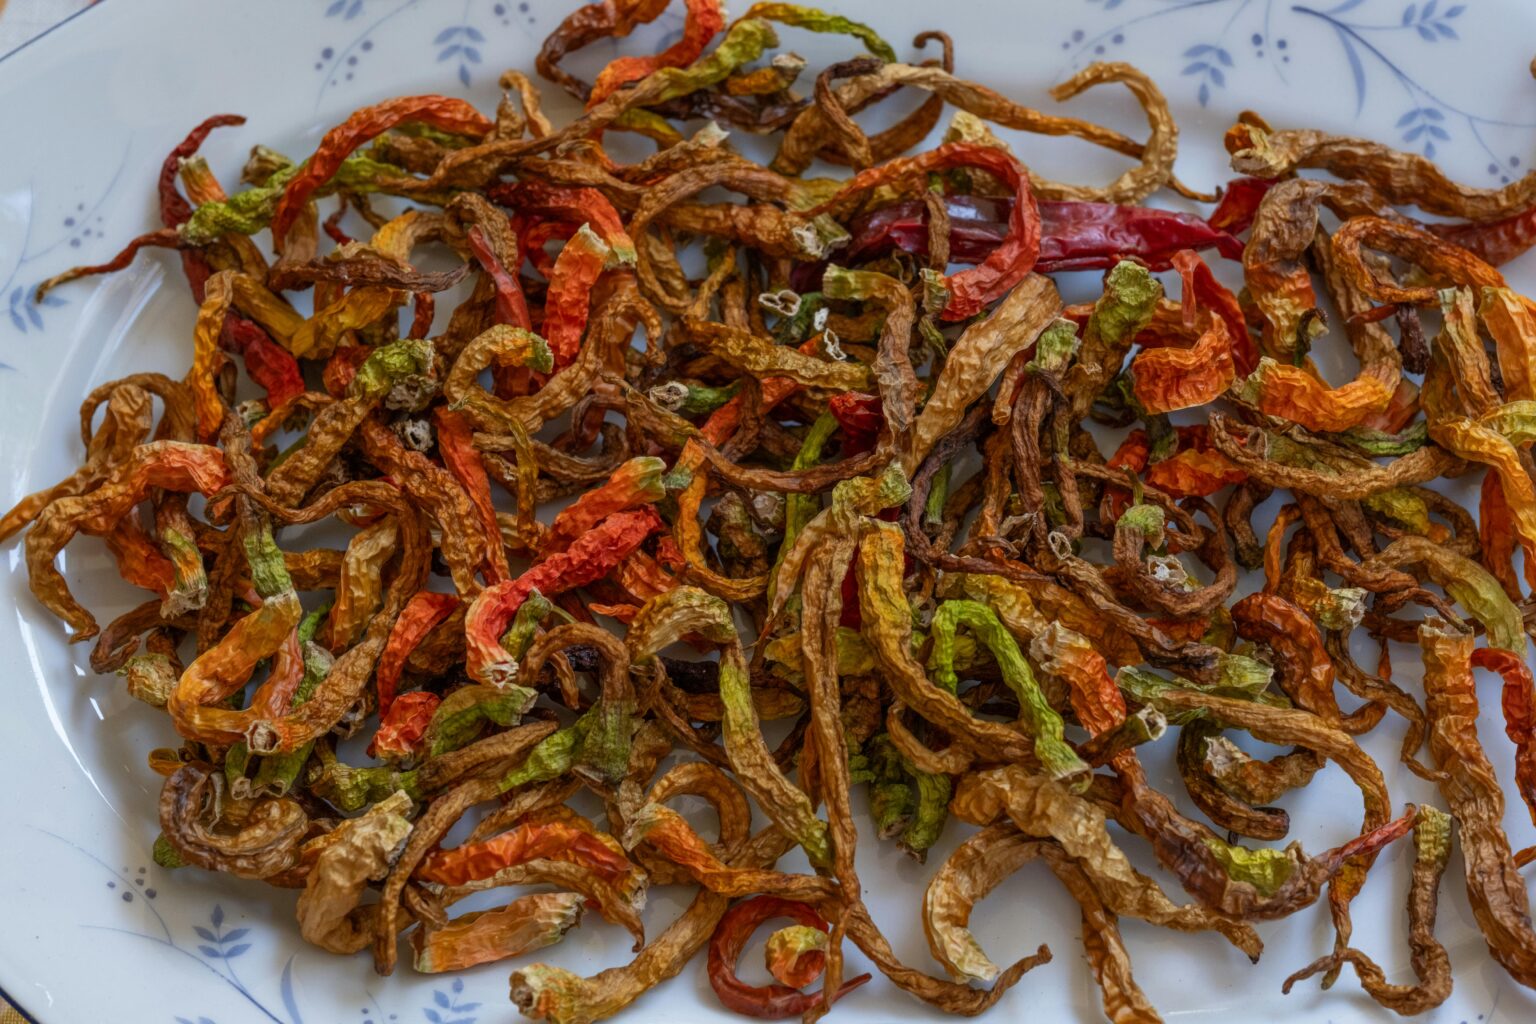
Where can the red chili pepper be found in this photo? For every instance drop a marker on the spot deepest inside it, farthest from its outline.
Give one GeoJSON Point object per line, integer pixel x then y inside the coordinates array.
{"type": "Point", "coordinates": [422, 614]}
{"type": "Point", "coordinates": [591, 557]}
{"type": "Point", "coordinates": [511, 307]}
{"type": "Point", "coordinates": [574, 206]}
{"type": "Point", "coordinates": [534, 234]}
{"type": "Point", "coordinates": [1305, 670]}
{"type": "Point", "coordinates": [1016, 253]}
{"type": "Point", "coordinates": [533, 840]}
{"type": "Point", "coordinates": [445, 112]}
{"type": "Point", "coordinates": [1496, 242]}
{"type": "Point", "coordinates": [722, 423]}
{"type": "Point", "coordinates": [271, 366]}
{"type": "Point", "coordinates": [401, 729]}
{"type": "Point", "coordinates": [1073, 235]}
{"type": "Point", "coordinates": [1201, 289]}
{"type": "Point", "coordinates": [569, 299]}
{"type": "Point", "coordinates": [1195, 472]}
{"type": "Point", "coordinates": [139, 561]}
{"type": "Point", "coordinates": [1496, 530]}
{"type": "Point", "coordinates": [1239, 204]}
{"type": "Point", "coordinates": [421, 319]}
{"type": "Point", "coordinates": [174, 208]}
{"type": "Point", "coordinates": [1519, 705]}
{"type": "Point", "coordinates": [859, 417]}
{"type": "Point", "coordinates": [342, 367]}
{"type": "Point", "coordinates": [455, 442]}
{"type": "Point", "coordinates": [704, 21]}
{"type": "Point", "coordinates": [332, 227]}
{"type": "Point", "coordinates": [768, 1002]}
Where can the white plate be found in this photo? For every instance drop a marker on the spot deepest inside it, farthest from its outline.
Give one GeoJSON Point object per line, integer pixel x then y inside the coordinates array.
{"type": "Point", "coordinates": [92, 931]}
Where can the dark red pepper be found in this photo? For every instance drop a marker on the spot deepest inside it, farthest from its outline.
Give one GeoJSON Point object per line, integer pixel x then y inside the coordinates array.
{"type": "Point", "coordinates": [769, 1002]}
{"type": "Point", "coordinates": [1074, 235]}
{"type": "Point", "coordinates": [1496, 242]}
{"type": "Point", "coordinates": [1239, 204]}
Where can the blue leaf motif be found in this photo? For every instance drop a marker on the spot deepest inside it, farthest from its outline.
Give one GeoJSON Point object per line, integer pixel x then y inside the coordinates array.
{"type": "Point", "coordinates": [1414, 134]}
{"type": "Point", "coordinates": [1408, 14]}
{"type": "Point", "coordinates": [464, 74]}
{"type": "Point", "coordinates": [1195, 68]}
{"type": "Point", "coordinates": [1446, 30]}
{"type": "Point", "coordinates": [1204, 94]}
{"type": "Point", "coordinates": [16, 294]}
{"type": "Point", "coordinates": [330, 12]}
{"type": "Point", "coordinates": [1407, 118]}
{"type": "Point", "coordinates": [355, 9]}
{"type": "Point", "coordinates": [474, 34]}
{"type": "Point", "coordinates": [1113, 4]}
{"type": "Point", "coordinates": [204, 1020]}
{"type": "Point", "coordinates": [34, 316]}
{"type": "Point", "coordinates": [235, 934]}
{"type": "Point", "coordinates": [210, 952]}
{"type": "Point", "coordinates": [1425, 33]}
{"type": "Point", "coordinates": [1439, 133]}
{"type": "Point", "coordinates": [441, 999]}
{"type": "Point", "coordinates": [289, 1002]}
{"type": "Point", "coordinates": [204, 933]}
{"type": "Point", "coordinates": [1224, 57]}
{"type": "Point", "coordinates": [449, 52]}
{"type": "Point", "coordinates": [458, 985]}
{"type": "Point", "coordinates": [446, 34]}
{"type": "Point", "coordinates": [1218, 78]}
{"type": "Point", "coordinates": [1347, 5]}
{"type": "Point", "coordinates": [234, 951]}
{"type": "Point", "coordinates": [1454, 12]}
{"type": "Point", "coordinates": [472, 55]}
{"type": "Point", "coordinates": [433, 1016]}
{"type": "Point", "coordinates": [1429, 10]}
{"type": "Point", "coordinates": [1430, 113]}
{"type": "Point", "coordinates": [467, 1007]}
{"type": "Point", "coordinates": [461, 1020]}
{"type": "Point", "coordinates": [217, 917]}
{"type": "Point", "coordinates": [182, 1020]}
{"type": "Point", "coordinates": [1196, 51]}
{"type": "Point", "coordinates": [53, 300]}
{"type": "Point", "coordinates": [1429, 150]}
{"type": "Point", "coordinates": [1355, 68]}
{"type": "Point", "coordinates": [21, 325]}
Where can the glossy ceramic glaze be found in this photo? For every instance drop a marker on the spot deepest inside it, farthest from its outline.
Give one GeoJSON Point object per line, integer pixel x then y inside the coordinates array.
{"type": "Point", "coordinates": [91, 931]}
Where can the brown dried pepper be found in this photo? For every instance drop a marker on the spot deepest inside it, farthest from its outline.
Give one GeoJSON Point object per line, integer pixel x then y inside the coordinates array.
{"type": "Point", "coordinates": [1494, 887]}
{"type": "Point", "coordinates": [768, 1002]}
{"type": "Point", "coordinates": [443, 112]}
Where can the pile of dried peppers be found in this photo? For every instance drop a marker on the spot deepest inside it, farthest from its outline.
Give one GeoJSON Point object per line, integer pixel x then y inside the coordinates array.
{"type": "Point", "coordinates": [827, 458]}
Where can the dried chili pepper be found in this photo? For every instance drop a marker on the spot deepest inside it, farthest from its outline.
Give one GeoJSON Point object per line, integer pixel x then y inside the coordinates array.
{"type": "Point", "coordinates": [877, 470]}
{"type": "Point", "coordinates": [770, 1002]}
{"type": "Point", "coordinates": [443, 112]}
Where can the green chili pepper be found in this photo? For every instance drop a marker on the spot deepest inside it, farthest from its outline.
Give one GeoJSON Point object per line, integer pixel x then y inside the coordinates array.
{"type": "Point", "coordinates": [930, 811]}
{"type": "Point", "coordinates": [552, 758]}
{"type": "Point", "coordinates": [1043, 721]}
{"type": "Point", "coordinates": [820, 21]}
{"type": "Point", "coordinates": [250, 211]}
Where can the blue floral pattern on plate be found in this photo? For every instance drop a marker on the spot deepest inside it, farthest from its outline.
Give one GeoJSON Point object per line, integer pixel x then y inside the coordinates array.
{"type": "Point", "coordinates": [1372, 39]}
{"type": "Point", "coordinates": [458, 44]}
{"type": "Point", "coordinates": [217, 947]}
